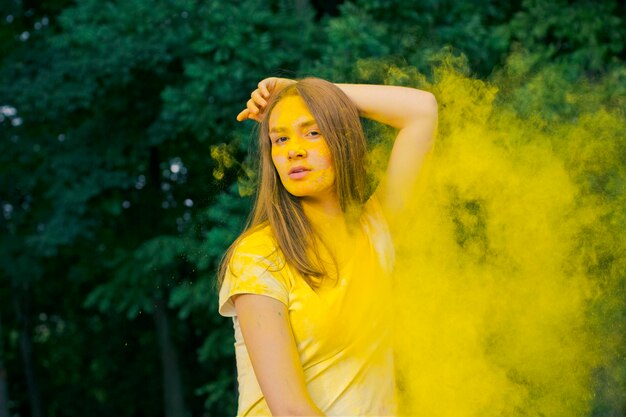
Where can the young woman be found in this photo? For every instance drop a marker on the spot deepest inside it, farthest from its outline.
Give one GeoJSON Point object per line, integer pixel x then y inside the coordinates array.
{"type": "Point", "coordinates": [307, 283]}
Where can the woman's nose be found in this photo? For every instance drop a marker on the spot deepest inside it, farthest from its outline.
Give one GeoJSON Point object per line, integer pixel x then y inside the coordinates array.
{"type": "Point", "coordinates": [297, 153]}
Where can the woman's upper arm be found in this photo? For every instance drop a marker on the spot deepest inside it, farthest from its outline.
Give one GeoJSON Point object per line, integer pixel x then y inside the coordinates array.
{"type": "Point", "coordinates": [266, 331]}
{"type": "Point", "coordinates": [413, 142]}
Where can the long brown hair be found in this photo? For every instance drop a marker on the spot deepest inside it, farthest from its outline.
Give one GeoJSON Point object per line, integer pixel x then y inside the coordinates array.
{"type": "Point", "coordinates": [338, 119]}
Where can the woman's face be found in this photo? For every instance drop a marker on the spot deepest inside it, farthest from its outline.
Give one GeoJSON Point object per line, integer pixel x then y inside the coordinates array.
{"type": "Point", "coordinates": [299, 151]}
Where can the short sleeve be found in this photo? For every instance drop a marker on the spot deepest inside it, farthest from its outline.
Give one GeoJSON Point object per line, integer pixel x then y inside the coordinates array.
{"type": "Point", "coordinates": [254, 268]}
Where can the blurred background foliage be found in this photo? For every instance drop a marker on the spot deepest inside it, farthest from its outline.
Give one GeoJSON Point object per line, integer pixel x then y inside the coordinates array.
{"type": "Point", "coordinates": [124, 176]}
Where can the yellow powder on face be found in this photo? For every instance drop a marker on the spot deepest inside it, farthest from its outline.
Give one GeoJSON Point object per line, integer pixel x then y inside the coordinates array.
{"type": "Point", "coordinates": [306, 141]}
{"type": "Point", "coordinates": [508, 271]}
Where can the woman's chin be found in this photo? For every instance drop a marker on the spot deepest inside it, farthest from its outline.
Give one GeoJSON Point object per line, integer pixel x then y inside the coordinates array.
{"type": "Point", "coordinates": [300, 193]}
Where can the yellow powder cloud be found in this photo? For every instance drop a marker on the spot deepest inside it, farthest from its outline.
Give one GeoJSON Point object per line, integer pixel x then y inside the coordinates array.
{"type": "Point", "coordinates": [508, 278]}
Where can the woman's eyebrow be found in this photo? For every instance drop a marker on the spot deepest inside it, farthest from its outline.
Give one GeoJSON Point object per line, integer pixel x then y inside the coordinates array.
{"type": "Point", "coordinates": [302, 125]}
{"type": "Point", "coordinates": [307, 123]}
{"type": "Point", "coordinates": [277, 129]}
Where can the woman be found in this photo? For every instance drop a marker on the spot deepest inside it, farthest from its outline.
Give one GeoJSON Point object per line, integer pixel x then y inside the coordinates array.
{"type": "Point", "coordinates": [307, 283]}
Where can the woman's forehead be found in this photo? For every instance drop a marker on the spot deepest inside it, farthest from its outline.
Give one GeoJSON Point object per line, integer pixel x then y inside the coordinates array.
{"type": "Point", "coordinates": [289, 113]}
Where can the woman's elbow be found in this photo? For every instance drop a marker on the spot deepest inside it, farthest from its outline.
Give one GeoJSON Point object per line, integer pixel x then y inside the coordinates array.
{"type": "Point", "coordinates": [298, 412]}
{"type": "Point", "coordinates": [421, 108]}
{"type": "Point", "coordinates": [298, 409]}
{"type": "Point", "coordinates": [426, 105]}
{"type": "Point", "coordinates": [423, 117]}
{"type": "Point", "coordinates": [293, 406]}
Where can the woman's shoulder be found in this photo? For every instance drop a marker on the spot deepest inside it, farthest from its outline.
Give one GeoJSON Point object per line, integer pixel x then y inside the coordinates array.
{"type": "Point", "coordinates": [256, 238]}
{"type": "Point", "coordinates": [258, 242]}
{"type": "Point", "coordinates": [256, 250]}
{"type": "Point", "coordinates": [254, 268]}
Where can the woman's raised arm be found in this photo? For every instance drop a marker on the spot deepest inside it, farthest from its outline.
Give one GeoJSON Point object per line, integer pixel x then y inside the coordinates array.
{"type": "Point", "coordinates": [414, 113]}
{"type": "Point", "coordinates": [266, 330]}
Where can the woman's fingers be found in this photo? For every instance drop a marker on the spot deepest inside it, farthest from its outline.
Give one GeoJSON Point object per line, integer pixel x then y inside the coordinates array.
{"type": "Point", "coordinates": [243, 115]}
{"type": "Point", "coordinates": [246, 114]}
{"type": "Point", "coordinates": [254, 106]}
{"type": "Point", "coordinates": [264, 86]}
{"type": "Point", "coordinates": [258, 99]}
{"type": "Point", "coordinates": [257, 102]}
{"type": "Point", "coordinates": [251, 105]}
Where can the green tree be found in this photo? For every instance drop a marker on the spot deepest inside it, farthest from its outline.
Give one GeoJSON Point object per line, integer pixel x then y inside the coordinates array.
{"type": "Point", "coordinates": [123, 174]}
{"type": "Point", "coordinates": [120, 104]}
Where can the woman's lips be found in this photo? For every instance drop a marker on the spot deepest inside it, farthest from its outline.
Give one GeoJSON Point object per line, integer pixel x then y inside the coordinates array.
{"type": "Point", "coordinates": [298, 172]}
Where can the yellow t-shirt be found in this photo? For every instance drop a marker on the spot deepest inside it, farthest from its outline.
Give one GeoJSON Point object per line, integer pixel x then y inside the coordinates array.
{"type": "Point", "coordinates": [342, 332]}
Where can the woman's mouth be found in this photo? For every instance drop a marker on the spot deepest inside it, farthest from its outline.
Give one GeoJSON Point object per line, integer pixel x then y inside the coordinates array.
{"type": "Point", "coordinates": [296, 173]}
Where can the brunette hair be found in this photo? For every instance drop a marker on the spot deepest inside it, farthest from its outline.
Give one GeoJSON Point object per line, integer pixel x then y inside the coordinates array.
{"type": "Point", "coordinates": [338, 120]}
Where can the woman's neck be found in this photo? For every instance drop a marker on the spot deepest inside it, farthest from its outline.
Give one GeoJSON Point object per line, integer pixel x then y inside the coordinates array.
{"type": "Point", "coordinates": [326, 217]}
{"type": "Point", "coordinates": [332, 227]}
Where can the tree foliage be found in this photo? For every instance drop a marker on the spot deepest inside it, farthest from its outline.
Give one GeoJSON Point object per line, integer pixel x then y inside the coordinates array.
{"type": "Point", "coordinates": [124, 174]}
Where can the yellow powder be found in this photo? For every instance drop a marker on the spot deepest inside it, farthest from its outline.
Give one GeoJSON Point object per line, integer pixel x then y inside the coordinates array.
{"type": "Point", "coordinates": [508, 275]}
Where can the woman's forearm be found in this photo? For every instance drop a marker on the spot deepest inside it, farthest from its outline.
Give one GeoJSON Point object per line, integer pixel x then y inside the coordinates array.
{"type": "Point", "coordinates": [394, 106]}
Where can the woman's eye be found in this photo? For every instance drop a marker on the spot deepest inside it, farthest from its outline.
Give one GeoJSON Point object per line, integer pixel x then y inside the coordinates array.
{"type": "Point", "coordinates": [280, 139]}
{"type": "Point", "coordinates": [314, 133]}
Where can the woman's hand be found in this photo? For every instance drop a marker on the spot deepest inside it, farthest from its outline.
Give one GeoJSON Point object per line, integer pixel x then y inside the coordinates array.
{"type": "Point", "coordinates": [258, 101]}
